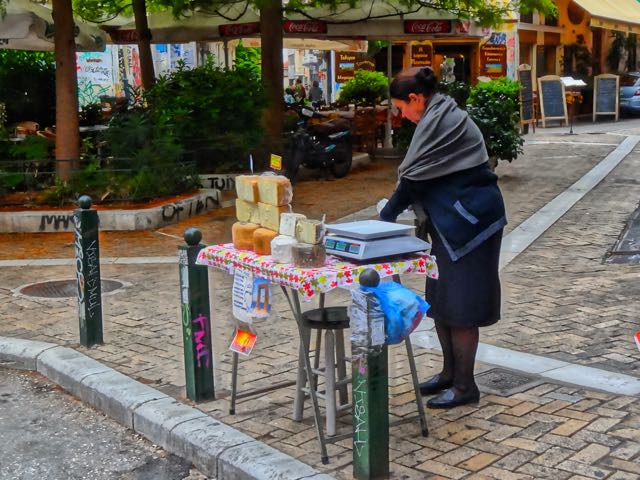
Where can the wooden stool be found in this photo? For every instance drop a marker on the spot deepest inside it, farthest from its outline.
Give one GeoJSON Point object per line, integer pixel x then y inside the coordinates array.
{"type": "Point", "coordinates": [332, 321]}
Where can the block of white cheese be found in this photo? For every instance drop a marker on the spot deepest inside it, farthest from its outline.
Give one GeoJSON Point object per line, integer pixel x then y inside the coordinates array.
{"type": "Point", "coordinates": [247, 211]}
{"type": "Point", "coordinates": [270, 215]}
{"type": "Point", "coordinates": [308, 256]}
{"type": "Point", "coordinates": [282, 249]}
{"type": "Point", "coordinates": [288, 222]}
{"type": "Point", "coordinates": [247, 188]}
{"type": "Point", "coordinates": [309, 231]}
{"type": "Point", "coordinates": [275, 189]}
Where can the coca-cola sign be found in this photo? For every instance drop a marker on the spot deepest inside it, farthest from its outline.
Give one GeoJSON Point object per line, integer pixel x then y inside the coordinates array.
{"type": "Point", "coordinates": [239, 29]}
{"type": "Point", "coordinates": [304, 26]}
{"type": "Point", "coordinates": [123, 36]}
{"type": "Point", "coordinates": [427, 27]}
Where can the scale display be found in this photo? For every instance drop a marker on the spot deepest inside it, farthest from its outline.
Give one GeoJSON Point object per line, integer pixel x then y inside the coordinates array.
{"type": "Point", "coordinates": [378, 248]}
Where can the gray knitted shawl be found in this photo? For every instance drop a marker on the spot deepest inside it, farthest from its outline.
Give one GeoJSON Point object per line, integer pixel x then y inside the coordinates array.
{"type": "Point", "coordinates": [446, 140]}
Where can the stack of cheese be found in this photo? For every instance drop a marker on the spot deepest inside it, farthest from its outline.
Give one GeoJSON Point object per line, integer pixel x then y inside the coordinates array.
{"type": "Point", "coordinates": [261, 200]}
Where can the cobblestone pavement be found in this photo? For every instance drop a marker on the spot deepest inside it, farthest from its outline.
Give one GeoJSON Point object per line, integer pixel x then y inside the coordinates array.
{"type": "Point", "coordinates": [560, 300]}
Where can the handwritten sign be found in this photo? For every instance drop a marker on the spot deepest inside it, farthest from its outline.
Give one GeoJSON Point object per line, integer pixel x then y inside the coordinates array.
{"type": "Point", "coordinates": [606, 99]}
{"type": "Point", "coordinates": [552, 99]}
{"type": "Point", "coordinates": [421, 55]}
{"type": "Point", "coordinates": [493, 60]}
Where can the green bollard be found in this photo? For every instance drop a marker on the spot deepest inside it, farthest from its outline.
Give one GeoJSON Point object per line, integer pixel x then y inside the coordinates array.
{"type": "Point", "coordinates": [196, 319]}
{"type": "Point", "coordinates": [370, 394]}
{"type": "Point", "coordinates": [87, 248]}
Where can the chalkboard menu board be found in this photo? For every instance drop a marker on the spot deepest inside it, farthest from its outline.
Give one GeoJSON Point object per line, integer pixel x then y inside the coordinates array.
{"type": "Point", "coordinates": [526, 95]}
{"type": "Point", "coordinates": [606, 89]}
{"type": "Point", "coordinates": [552, 101]}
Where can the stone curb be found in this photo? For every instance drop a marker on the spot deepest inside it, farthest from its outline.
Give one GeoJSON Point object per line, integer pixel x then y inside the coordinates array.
{"type": "Point", "coordinates": [215, 448]}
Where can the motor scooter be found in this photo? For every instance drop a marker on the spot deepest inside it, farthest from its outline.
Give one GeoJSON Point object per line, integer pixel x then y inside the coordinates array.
{"type": "Point", "coordinates": [325, 146]}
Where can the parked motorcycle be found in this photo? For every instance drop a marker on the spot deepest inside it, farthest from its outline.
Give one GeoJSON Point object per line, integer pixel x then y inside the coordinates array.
{"type": "Point", "coordinates": [325, 146]}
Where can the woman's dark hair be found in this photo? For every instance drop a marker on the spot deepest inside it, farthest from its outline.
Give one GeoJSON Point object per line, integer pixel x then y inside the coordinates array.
{"type": "Point", "coordinates": [413, 80]}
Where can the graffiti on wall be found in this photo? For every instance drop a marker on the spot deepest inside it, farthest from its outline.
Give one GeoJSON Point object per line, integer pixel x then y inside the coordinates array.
{"type": "Point", "coordinates": [95, 76]}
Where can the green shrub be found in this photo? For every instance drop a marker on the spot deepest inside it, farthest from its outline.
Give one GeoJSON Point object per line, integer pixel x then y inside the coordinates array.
{"type": "Point", "coordinates": [211, 110]}
{"type": "Point", "coordinates": [493, 106]}
{"type": "Point", "coordinates": [364, 89]}
{"type": "Point", "coordinates": [459, 91]}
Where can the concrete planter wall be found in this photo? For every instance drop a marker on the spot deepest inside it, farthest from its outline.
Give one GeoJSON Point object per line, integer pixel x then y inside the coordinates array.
{"type": "Point", "coordinates": [141, 219]}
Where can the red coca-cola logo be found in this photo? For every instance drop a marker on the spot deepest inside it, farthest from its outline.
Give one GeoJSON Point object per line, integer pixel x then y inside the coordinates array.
{"type": "Point", "coordinates": [239, 29]}
{"type": "Point", "coordinates": [123, 36]}
{"type": "Point", "coordinates": [304, 26]}
{"type": "Point", "coordinates": [427, 26]}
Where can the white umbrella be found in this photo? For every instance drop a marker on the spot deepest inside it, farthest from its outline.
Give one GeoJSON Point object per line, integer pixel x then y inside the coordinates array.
{"type": "Point", "coordinates": [29, 26]}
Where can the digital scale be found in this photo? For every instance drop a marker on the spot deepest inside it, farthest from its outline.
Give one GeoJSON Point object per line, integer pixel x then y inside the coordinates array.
{"type": "Point", "coordinates": [369, 239]}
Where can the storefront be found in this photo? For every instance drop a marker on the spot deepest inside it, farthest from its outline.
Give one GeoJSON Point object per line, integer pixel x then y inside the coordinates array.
{"type": "Point", "coordinates": [472, 51]}
{"type": "Point", "coordinates": [578, 41]}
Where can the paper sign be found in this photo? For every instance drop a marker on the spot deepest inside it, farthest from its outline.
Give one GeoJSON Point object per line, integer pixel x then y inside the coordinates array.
{"type": "Point", "coordinates": [276, 162]}
{"type": "Point", "coordinates": [637, 339]}
{"type": "Point", "coordinates": [260, 299]}
{"type": "Point", "coordinates": [243, 341]}
{"type": "Point", "coordinates": [242, 294]}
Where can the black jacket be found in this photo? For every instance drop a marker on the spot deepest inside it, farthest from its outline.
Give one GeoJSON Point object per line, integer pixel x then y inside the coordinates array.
{"type": "Point", "coordinates": [465, 207]}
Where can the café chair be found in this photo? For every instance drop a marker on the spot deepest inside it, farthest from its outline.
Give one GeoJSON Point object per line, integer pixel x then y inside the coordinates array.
{"type": "Point", "coordinates": [329, 322]}
{"type": "Point", "coordinates": [27, 128]}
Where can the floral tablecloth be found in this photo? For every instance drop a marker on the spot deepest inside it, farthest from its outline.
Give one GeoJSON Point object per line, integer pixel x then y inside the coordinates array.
{"type": "Point", "coordinates": [337, 272]}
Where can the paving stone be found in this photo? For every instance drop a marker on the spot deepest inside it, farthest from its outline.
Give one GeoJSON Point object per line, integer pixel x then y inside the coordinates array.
{"type": "Point", "coordinates": [569, 427]}
{"type": "Point", "coordinates": [443, 469]}
{"type": "Point", "coordinates": [479, 461]}
{"type": "Point", "coordinates": [591, 454]}
{"type": "Point", "coordinates": [583, 469]}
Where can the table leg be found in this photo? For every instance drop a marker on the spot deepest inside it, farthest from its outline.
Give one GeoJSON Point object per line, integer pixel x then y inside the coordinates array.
{"type": "Point", "coordinates": [234, 382]}
{"type": "Point", "coordinates": [414, 379]}
{"type": "Point", "coordinates": [294, 303]}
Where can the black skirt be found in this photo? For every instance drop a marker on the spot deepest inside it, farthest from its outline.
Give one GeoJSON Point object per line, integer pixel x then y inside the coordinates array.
{"type": "Point", "coordinates": [467, 294]}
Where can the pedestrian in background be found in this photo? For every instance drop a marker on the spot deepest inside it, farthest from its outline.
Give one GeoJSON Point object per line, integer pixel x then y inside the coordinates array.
{"type": "Point", "coordinates": [446, 178]}
{"type": "Point", "coordinates": [299, 91]}
{"type": "Point", "coordinates": [315, 94]}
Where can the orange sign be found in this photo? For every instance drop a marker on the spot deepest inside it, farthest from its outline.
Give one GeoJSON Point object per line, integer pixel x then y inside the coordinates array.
{"type": "Point", "coordinates": [243, 342]}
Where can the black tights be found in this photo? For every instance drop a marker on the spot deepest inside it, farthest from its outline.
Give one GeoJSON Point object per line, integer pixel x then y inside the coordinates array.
{"type": "Point", "coordinates": [459, 347]}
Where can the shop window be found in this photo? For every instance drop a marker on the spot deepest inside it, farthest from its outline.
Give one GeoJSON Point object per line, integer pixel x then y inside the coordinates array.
{"type": "Point", "coordinates": [526, 17]}
{"type": "Point", "coordinates": [525, 53]}
{"type": "Point", "coordinates": [546, 60]}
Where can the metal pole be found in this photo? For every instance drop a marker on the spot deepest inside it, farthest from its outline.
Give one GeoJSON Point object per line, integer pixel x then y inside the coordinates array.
{"type": "Point", "coordinates": [388, 142]}
{"type": "Point", "coordinates": [87, 248]}
{"type": "Point", "coordinates": [370, 383]}
{"type": "Point", "coordinates": [196, 319]}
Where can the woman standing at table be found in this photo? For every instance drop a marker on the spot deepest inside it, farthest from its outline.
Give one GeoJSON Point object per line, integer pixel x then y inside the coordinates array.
{"type": "Point", "coordinates": [446, 178]}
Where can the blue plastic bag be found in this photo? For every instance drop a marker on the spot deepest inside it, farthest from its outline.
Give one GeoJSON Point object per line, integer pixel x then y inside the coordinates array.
{"type": "Point", "coordinates": [403, 309]}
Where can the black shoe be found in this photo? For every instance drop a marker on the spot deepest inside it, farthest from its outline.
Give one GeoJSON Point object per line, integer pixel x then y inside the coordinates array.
{"type": "Point", "coordinates": [434, 385]}
{"type": "Point", "coordinates": [450, 398]}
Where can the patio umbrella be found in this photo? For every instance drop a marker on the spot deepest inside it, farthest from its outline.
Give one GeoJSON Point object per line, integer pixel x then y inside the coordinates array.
{"type": "Point", "coordinates": [29, 26]}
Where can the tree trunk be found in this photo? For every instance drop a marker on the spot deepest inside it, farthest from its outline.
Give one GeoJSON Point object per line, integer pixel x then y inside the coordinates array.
{"type": "Point", "coordinates": [272, 76]}
{"type": "Point", "coordinates": [144, 44]}
{"type": "Point", "coordinates": [67, 133]}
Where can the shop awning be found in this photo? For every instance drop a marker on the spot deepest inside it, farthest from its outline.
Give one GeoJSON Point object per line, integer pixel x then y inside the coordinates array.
{"type": "Point", "coordinates": [619, 15]}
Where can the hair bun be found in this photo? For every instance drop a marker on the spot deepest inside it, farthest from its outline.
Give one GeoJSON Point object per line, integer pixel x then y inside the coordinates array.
{"type": "Point", "coordinates": [425, 75]}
